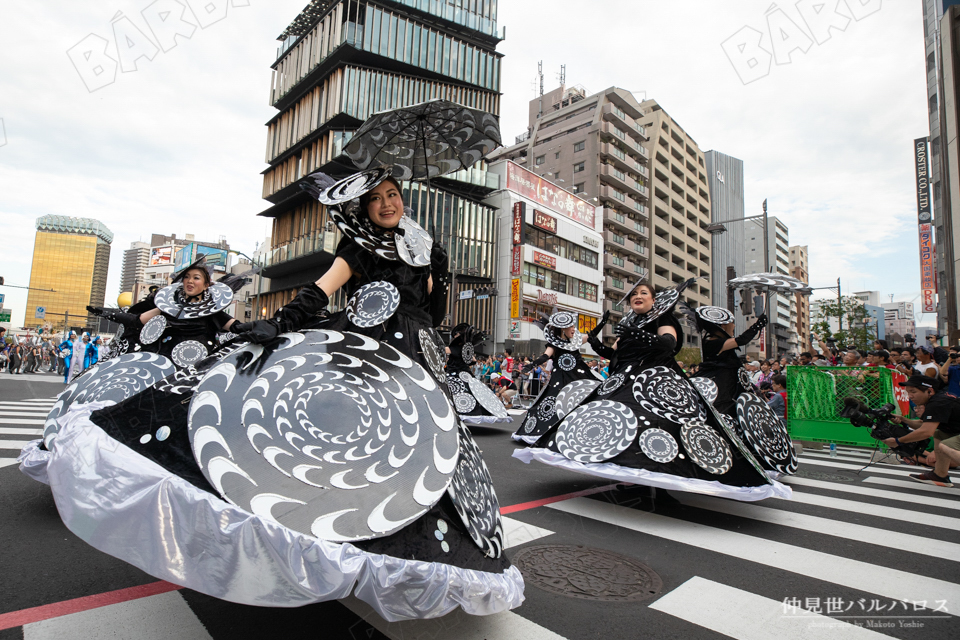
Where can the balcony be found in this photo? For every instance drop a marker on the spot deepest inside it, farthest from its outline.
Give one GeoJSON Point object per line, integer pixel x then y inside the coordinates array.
{"type": "Point", "coordinates": [609, 133]}
{"type": "Point", "coordinates": [618, 221]}
{"type": "Point", "coordinates": [612, 114]}
{"type": "Point", "coordinates": [613, 263]}
{"type": "Point", "coordinates": [617, 239]}
{"type": "Point", "coordinates": [622, 160]}
{"type": "Point", "coordinates": [614, 284]}
{"type": "Point", "coordinates": [622, 182]}
{"type": "Point", "coordinates": [614, 309]}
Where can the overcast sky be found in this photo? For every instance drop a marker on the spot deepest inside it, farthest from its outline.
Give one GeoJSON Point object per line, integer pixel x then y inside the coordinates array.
{"type": "Point", "coordinates": [176, 144]}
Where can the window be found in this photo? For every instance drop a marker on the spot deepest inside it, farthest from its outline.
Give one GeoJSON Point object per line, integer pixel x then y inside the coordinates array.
{"type": "Point", "coordinates": [557, 155]}
{"type": "Point", "coordinates": [578, 188]}
{"type": "Point", "coordinates": [577, 147]}
{"type": "Point", "coordinates": [539, 160]}
{"type": "Point", "coordinates": [563, 248]}
{"type": "Point", "coordinates": [548, 279]}
{"type": "Point", "coordinates": [619, 195]}
{"type": "Point", "coordinates": [617, 238]}
{"type": "Point", "coordinates": [580, 166]}
{"type": "Point", "coordinates": [620, 174]}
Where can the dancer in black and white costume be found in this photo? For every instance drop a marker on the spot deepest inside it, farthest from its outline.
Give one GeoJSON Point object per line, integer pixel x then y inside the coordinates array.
{"type": "Point", "coordinates": [319, 459]}
{"type": "Point", "coordinates": [570, 375]}
{"type": "Point", "coordinates": [474, 401]}
{"type": "Point", "coordinates": [726, 384]}
{"type": "Point", "coordinates": [647, 423]}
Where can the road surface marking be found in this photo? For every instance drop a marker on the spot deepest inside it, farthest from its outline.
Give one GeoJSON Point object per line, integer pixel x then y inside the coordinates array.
{"type": "Point", "coordinates": [155, 617]}
{"type": "Point", "coordinates": [857, 459]}
{"type": "Point", "coordinates": [913, 484]}
{"type": "Point", "coordinates": [523, 506]}
{"type": "Point", "coordinates": [854, 574]}
{"type": "Point", "coordinates": [6, 462]}
{"type": "Point", "coordinates": [747, 616]}
{"type": "Point", "coordinates": [20, 421]}
{"type": "Point", "coordinates": [856, 467]}
{"type": "Point", "coordinates": [869, 509]}
{"type": "Point", "coordinates": [516, 533]}
{"type": "Point", "coordinates": [13, 444]}
{"type": "Point", "coordinates": [859, 489]}
{"type": "Point", "coordinates": [11, 431]}
{"type": "Point", "coordinates": [827, 526]}
{"type": "Point", "coordinates": [24, 414]}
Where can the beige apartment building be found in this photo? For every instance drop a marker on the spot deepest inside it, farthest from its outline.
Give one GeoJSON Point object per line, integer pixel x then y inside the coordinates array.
{"type": "Point", "coordinates": [799, 269]}
{"type": "Point", "coordinates": [648, 174]}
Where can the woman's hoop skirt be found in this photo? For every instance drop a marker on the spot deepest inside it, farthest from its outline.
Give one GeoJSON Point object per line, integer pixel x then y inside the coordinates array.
{"type": "Point", "coordinates": [325, 464]}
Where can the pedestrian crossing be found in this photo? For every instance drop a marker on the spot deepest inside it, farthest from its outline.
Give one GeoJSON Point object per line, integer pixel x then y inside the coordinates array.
{"type": "Point", "coordinates": [20, 422]}
{"type": "Point", "coordinates": [729, 568]}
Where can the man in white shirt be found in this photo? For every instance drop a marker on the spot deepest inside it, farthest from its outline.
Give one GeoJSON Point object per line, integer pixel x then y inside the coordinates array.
{"type": "Point", "coordinates": [925, 364]}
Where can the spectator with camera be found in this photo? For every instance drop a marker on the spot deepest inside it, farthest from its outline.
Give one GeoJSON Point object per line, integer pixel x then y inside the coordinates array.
{"type": "Point", "coordinates": [925, 364]}
{"type": "Point", "coordinates": [938, 353]}
{"type": "Point", "coordinates": [940, 419]}
{"type": "Point", "coordinates": [950, 372]}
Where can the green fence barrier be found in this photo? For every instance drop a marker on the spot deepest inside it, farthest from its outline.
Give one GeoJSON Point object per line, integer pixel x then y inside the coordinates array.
{"type": "Point", "coordinates": [815, 399]}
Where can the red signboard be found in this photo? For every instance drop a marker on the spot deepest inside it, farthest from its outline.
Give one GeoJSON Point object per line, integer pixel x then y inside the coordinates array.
{"type": "Point", "coordinates": [518, 211]}
{"type": "Point", "coordinates": [899, 392]}
{"type": "Point", "coordinates": [545, 222]}
{"type": "Point", "coordinates": [544, 260]}
{"type": "Point", "coordinates": [928, 269]}
{"type": "Point", "coordinates": [517, 261]}
{"type": "Point", "coordinates": [546, 298]}
{"type": "Point", "coordinates": [532, 186]}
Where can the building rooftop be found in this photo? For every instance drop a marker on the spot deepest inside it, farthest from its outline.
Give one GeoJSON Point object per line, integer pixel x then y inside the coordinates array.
{"type": "Point", "coordinates": [66, 224]}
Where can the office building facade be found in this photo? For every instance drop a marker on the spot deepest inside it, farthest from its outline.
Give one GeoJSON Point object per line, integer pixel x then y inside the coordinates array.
{"type": "Point", "coordinates": [71, 256]}
{"type": "Point", "coordinates": [636, 162]}
{"type": "Point", "coordinates": [782, 310]}
{"type": "Point", "coordinates": [339, 62]}
{"type": "Point", "coordinates": [725, 182]}
{"type": "Point", "coordinates": [135, 261]}
{"type": "Point", "coordinates": [550, 257]}
{"type": "Point", "coordinates": [800, 269]}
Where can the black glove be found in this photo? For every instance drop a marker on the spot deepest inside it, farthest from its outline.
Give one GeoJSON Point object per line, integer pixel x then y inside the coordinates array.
{"type": "Point", "coordinates": [753, 331]}
{"type": "Point", "coordinates": [115, 315]}
{"type": "Point", "coordinates": [648, 340]}
{"type": "Point", "coordinates": [593, 333]}
{"type": "Point", "coordinates": [291, 317]}
{"type": "Point", "coordinates": [601, 349]}
{"type": "Point", "coordinates": [258, 331]}
{"type": "Point", "coordinates": [440, 271]}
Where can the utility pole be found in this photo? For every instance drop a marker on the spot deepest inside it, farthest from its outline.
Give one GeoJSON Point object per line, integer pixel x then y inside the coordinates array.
{"type": "Point", "coordinates": [766, 269]}
{"type": "Point", "coordinates": [839, 308]}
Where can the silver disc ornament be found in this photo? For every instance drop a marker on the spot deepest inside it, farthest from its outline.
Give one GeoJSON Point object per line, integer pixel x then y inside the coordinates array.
{"type": "Point", "coordinates": [658, 445]}
{"type": "Point", "coordinates": [529, 424]}
{"type": "Point", "coordinates": [573, 394]}
{"type": "Point", "coordinates": [484, 396]}
{"type": "Point", "coordinates": [154, 328]}
{"type": "Point", "coordinates": [547, 408]}
{"type": "Point", "coordinates": [715, 315]}
{"type": "Point", "coordinates": [464, 402]}
{"type": "Point", "coordinates": [707, 388]}
{"type": "Point", "coordinates": [744, 377]}
{"type": "Point", "coordinates": [455, 384]}
{"type": "Point", "coordinates": [567, 362]}
{"type": "Point", "coordinates": [611, 384]}
{"type": "Point", "coordinates": [114, 380]}
{"type": "Point", "coordinates": [354, 186]}
{"type": "Point", "coordinates": [474, 497]}
{"type": "Point", "coordinates": [373, 304]}
{"type": "Point", "coordinates": [188, 352]}
{"type": "Point", "coordinates": [563, 320]}
{"type": "Point", "coordinates": [766, 434]}
{"type": "Point", "coordinates": [596, 431]}
{"type": "Point", "coordinates": [172, 301]}
{"type": "Point", "coordinates": [413, 244]}
{"type": "Point", "coordinates": [331, 434]}
{"type": "Point", "coordinates": [468, 353]}
{"type": "Point", "coordinates": [668, 395]}
{"type": "Point", "coordinates": [433, 351]}
{"type": "Point", "coordinates": [706, 448]}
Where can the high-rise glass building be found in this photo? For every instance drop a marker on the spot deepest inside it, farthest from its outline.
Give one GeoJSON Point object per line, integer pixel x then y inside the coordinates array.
{"type": "Point", "coordinates": [70, 256]}
{"type": "Point", "coordinates": [135, 261]}
{"type": "Point", "coordinates": [341, 61]}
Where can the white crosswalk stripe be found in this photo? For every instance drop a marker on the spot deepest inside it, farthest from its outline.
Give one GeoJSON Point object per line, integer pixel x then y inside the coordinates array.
{"type": "Point", "coordinates": [942, 503]}
{"type": "Point", "coordinates": [804, 461]}
{"type": "Point", "coordinates": [911, 484]}
{"type": "Point", "coordinates": [20, 422]}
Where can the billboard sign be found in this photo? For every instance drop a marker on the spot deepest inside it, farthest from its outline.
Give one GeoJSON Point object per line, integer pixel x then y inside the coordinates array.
{"type": "Point", "coordinates": [40, 313]}
{"type": "Point", "coordinates": [184, 257]}
{"type": "Point", "coordinates": [545, 222]}
{"type": "Point", "coordinates": [517, 261]}
{"type": "Point", "coordinates": [161, 256]}
{"type": "Point", "coordinates": [515, 295]}
{"type": "Point", "coordinates": [536, 188]}
{"type": "Point", "coordinates": [519, 209]}
{"type": "Point", "coordinates": [920, 149]}
{"type": "Point", "coordinates": [544, 260]}
{"type": "Point", "coordinates": [216, 258]}
{"type": "Point", "coordinates": [928, 270]}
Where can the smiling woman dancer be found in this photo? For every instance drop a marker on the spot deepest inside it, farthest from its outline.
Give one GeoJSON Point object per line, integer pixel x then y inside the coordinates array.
{"type": "Point", "coordinates": [647, 424]}
{"type": "Point", "coordinates": [243, 477]}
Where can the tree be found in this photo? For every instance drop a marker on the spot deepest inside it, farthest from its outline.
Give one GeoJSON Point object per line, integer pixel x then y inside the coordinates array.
{"type": "Point", "coordinates": [859, 326]}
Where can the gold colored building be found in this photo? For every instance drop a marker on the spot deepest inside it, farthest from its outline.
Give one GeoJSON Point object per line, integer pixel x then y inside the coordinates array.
{"type": "Point", "coordinates": [70, 256]}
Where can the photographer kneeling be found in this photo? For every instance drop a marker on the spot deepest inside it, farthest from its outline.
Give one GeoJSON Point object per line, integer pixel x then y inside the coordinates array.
{"type": "Point", "coordinates": [940, 420]}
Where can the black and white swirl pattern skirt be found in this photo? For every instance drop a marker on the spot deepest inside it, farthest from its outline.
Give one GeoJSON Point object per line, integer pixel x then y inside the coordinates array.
{"type": "Point", "coordinates": [649, 424]}
{"type": "Point", "coordinates": [475, 401]}
{"type": "Point", "coordinates": [322, 438]}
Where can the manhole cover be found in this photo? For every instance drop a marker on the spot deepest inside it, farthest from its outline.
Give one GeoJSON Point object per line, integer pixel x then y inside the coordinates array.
{"type": "Point", "coordinates": [819, 475]}
{"type": "Point", "coordinates": [590, 574]}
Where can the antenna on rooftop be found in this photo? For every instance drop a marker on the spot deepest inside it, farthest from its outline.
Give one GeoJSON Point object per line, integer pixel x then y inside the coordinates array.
{"type": "Point", "coordinates": [540, 76]}
{"type": "Point", "coordinates": [563, 76]}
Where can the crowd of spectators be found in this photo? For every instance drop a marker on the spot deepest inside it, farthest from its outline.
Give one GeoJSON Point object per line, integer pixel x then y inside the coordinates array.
{"type": "Point", "coordinates": [39, 353]}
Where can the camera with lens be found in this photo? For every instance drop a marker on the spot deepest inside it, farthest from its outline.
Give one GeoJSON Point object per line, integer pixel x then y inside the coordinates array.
{"type": "Point", "coordinates": [881, 428]}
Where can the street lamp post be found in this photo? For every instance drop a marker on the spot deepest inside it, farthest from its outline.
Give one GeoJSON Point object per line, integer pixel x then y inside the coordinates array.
{"type": "Point", "coordinates": [718, 228]}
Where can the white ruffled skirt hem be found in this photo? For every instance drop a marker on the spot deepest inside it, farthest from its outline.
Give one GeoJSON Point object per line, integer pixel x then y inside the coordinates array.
{"type": "Point", "coordinates": [484, 419]}
{"type": "Point", "coordinates": [128, 506]}
{"type": "Point", "coordinates": [617, 472]}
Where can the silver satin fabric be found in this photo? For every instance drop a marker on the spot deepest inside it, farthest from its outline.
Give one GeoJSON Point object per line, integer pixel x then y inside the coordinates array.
{"type": "Point", "coordinates": [484, 419]}
{"type": "Point", "coordinates": [613, 471]}
{"type": "Point", "coordinates": [33, 461]}
{"type": "Point", "coordinates": [128, 506]}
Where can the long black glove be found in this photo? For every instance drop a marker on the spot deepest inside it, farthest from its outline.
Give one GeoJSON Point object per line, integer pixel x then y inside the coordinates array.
{"type": "Point", "coordinates": [752, 331]}
{"type": "Point", "coordinates": [650, 341]}
{"type": "Point", "coordinates": [593, 339]}
{"type": "Point", "coordinates": [595, 332]}
{"type": "Point", "coordinates": [291, 317]}
{"type": "Point", "coordinates": [115, 315]}
{"type": "Point", "coordinates": [440, 271]}
{"type": "Point", "coordinates": [530, 367]}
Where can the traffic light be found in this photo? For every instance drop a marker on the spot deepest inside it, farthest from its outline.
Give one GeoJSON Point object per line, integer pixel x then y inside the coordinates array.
{"type": "Point", "coordinates": [1, 280]}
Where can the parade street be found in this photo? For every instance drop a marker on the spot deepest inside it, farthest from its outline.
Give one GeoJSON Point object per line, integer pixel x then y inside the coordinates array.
{"type": "Point", "coordinates": [827, 564]}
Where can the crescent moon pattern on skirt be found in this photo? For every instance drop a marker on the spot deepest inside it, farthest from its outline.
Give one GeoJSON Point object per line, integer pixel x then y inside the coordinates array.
{"type": "Point", "coordinates": [567, 362]}
{"type": "Point", "coordinates": [487, 399]}
{"type": "Point", "coordinates": [744, 378]}
{"type": "Point", "coordinates": [611, 384]}
{"type": "Point", "coordinates": [529, 424]}
{"type": "Point", "coordinates": [766, 433]}
{"type": "Point", "coordinates": [707, 387]}
{"type": "Point", "coordinates": [596, 431]}
{"type": "Point", "coordinates": [573, 394]}
{"type": "Point", "coordinates": [715, 315]}
{"type": "Point", "coordinates": [373, 304]}
{"type": "Point", "coordinates": [154, 328]}
{"type": "Point", "coordinates": [547, 408]}
{"type": "Point", "coordinates": [433, 352]}
{"type": "Point", "coordinates": [474, 497]}
{"type": "Point", "coordinates": [171, 301]}
{"type": "Point", "coordinates": [468, 353]}
{"type": "Point", "coordinates": [188, 352]}
{"type": "Point", "coordinates": [706, 448]}
{"type": "Point", "coordinates": [464, 402]}
{"type": "Point", "coordinates": [331, 434]}
{"type": "Point", "coordinates": [415, 244]}
{"type": "Point", "coordinates": [658, 445]}
{"type": "Point", "coordinates": [455, 384]}
{"type": "Point", "coordinates": [663, 392]}
{"type": "Point", "coordinates": [115, 379]}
